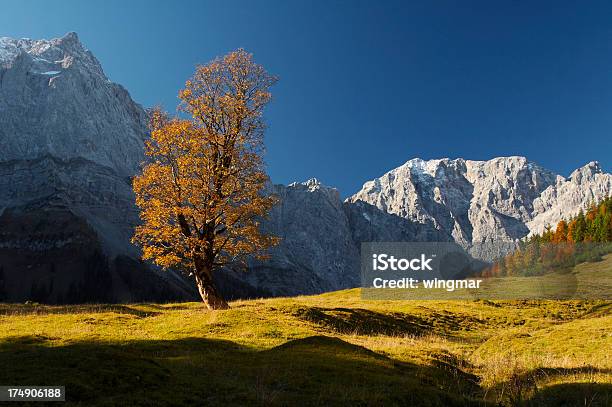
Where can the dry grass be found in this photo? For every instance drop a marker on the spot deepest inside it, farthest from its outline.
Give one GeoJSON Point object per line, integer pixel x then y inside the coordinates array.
{"type": "Point", "coordinates": [316, 350]}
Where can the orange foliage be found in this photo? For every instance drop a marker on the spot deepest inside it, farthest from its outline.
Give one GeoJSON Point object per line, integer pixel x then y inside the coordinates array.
{"type": "Point", "coordinates": [200, 194]}
{"type": "Point", "coordinates": [560, 234]}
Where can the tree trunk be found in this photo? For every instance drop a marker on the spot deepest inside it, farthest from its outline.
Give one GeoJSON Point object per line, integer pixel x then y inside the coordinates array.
{"type": "Point", "coordinates": [209, 293]}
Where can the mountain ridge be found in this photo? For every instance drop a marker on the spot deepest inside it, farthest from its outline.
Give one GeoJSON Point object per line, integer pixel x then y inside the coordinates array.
{"type": "Point", "coordinates": [484, 202]}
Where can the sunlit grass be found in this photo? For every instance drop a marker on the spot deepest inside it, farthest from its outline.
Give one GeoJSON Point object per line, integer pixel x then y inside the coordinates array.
{"type": "Point", "coordinates": [333, 348]}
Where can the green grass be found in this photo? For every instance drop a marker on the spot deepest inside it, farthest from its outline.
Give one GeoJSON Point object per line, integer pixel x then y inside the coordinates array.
{"type": "Point", "coordinates": [330, 349]}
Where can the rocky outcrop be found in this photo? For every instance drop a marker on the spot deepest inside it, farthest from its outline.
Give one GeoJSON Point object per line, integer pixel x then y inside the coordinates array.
{"type": "Point", "coordinates": [484, 205]}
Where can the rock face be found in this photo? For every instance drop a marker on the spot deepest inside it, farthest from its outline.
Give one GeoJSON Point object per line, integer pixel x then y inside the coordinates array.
{"type": "Point", "coordinates": [321, 240]}
{"type": "Point", "coordinates": [69, 142]}
{"type": "Point", "coordinates": [55, 100]}
{"type": "Point", "coordinates": [567, 196]}
{"type": "Point", "coordinates": [484, 204]}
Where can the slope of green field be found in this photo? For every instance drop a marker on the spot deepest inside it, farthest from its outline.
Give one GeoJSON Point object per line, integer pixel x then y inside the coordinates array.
{"type": "Point", "coordinates": [330, 349]}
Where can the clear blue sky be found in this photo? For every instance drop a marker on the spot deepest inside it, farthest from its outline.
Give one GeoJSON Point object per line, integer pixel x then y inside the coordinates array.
{"type": "Point", "coordinates": [365, 86]}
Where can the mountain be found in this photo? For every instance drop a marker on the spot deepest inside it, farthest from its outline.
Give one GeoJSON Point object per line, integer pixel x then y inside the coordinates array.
{"type": "Point", "coordinates": [567, 196]}
{"type": "Point", "coordinates": [321, 240]}
{"type": "Point", "coordinates": [484, 205]}
{"type": "Point", "coordinates": [69, 142]}
{"type": "Point", "coordinates": [56, 101]}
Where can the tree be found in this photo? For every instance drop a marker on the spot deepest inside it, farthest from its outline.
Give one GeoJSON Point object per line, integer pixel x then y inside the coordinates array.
{"type": "Point", "coordinates": [560, 234]}
{"type": "Point", "coordinates": [200, 193]}
{"type": "Point", "coordinates": [579, 230]}
{"type": "Point", "coordinates": [547, 235]}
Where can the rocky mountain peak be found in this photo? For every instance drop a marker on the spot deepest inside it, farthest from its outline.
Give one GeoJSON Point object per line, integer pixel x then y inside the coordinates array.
{"type": "Point", "coordinates": [47, 56]}
{"type": "Point", "coordinates": [568, 196]}
{"type": "Point", "coordinates": [477, 202]}
{"type": "Point", "coordinates": [314, 185]}
{"type": "Point", "coordinates": [56, 101]}
{"type": "Point", "coordinates": [69, 141]}
{"type": "Point", "coordinates": [586, 172]}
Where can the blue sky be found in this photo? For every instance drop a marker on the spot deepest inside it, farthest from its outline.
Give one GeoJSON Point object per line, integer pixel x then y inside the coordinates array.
{"type": "Point", "coordinates": [366, 85]}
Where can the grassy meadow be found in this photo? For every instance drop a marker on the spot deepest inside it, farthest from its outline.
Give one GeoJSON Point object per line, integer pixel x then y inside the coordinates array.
{"type": "Point", "coordinates": [330, 349]}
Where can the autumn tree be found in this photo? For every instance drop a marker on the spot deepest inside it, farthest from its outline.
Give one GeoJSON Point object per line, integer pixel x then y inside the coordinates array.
{"type": "Point", "coordinates": [200, 191]}
{"type": "Point", "coordinates": [560, 234]}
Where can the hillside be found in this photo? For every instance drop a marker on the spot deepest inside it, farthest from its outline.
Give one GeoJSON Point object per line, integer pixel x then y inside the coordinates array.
{"type": "Point", "coordinates": [329, 349]}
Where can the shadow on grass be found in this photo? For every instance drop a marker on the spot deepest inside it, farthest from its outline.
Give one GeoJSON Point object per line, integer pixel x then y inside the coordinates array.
{"type": "Point", "coordinates": [37, 309]}
{"type": "Point", "coordinates": [574, 394]}
{"type": "Point", "coordinates": [361, 321]}
{"type": "Point", "coordinates": [174, 307]}
{"type": "Point", "coordinates": [599, 310]}
{"type": "Point", "coordinates": [364, 322]}
{"type": "Point", "coordinates": [317, 370]}
{"type": "Point", "coordinates": [530, 388]}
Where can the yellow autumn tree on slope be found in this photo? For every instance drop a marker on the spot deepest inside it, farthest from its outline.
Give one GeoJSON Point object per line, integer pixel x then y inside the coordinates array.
{"type": "Point", "coordinates": [200, 192]}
